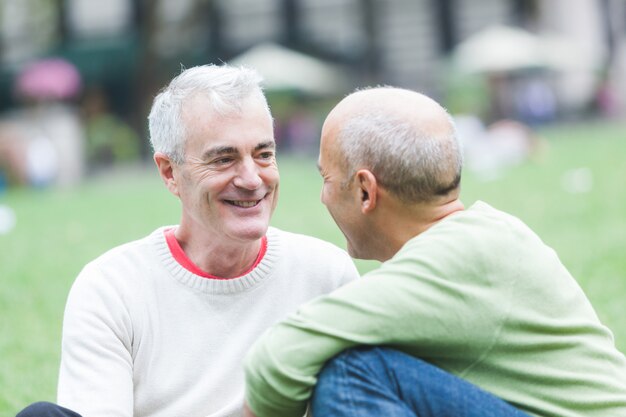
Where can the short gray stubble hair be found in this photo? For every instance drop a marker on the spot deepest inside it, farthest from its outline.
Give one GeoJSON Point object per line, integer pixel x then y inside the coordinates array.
{"type": "Point", "coordinates": [225, 86]}
{"type": "Point", "coordinates": [407, 160]}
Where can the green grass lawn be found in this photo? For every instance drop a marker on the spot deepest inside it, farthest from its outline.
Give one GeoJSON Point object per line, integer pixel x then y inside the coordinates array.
{"type": "Point", "coordinates": [57, 232]}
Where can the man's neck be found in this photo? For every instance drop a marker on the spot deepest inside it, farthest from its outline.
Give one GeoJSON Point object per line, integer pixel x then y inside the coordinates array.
{"type": "Point", "coordinates": [218, 257]}
{"type": "Point", "coordinates": [405, 223]}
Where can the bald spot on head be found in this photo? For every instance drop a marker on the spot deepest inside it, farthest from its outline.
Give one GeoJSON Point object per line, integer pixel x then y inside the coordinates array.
{"type": "Point", "coordinates": [405, 138]}
{"type": "Point", "coordinates": [409, 106]}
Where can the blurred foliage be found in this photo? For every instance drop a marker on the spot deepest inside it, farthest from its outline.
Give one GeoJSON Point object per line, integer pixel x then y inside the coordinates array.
{"type": "Point", "coordinates": [465, 93]}
{"type": "Point", "coordinates": [110, 141]}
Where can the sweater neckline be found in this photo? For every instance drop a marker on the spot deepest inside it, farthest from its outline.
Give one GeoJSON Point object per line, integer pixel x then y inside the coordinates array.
{"type": "Point", "coordinates": [260, 272]}
{"type": "Point", "coordinates": [181, 257]}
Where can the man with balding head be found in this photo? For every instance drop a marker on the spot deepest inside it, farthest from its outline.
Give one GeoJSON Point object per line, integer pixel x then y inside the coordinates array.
{"type": "Point", "coordinates": [470, 313]}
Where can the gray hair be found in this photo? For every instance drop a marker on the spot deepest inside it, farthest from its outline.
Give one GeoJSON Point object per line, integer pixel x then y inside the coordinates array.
{"type": "Point", "coordinates": [226, 88]}
{"type": "Point", "coordinates": [413, 164]}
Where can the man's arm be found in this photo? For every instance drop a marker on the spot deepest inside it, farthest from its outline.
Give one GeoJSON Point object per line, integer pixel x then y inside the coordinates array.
{"type": "Point", "coordinates": [96, 375]}
{"type": "Point", "coordinates": [405, 305]}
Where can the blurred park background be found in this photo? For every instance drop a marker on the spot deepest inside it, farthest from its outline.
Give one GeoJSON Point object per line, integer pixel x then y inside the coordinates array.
{"type": "Point", "coordinates": [537, 88]}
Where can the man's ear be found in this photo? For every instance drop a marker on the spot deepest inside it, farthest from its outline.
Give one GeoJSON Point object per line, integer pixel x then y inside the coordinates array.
{"type": "Point", "coordinates": [166, 170]}
{"type": "Point", "coordinates": [368, 189]}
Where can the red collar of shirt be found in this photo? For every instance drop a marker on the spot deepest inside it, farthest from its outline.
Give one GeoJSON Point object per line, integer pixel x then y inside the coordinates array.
{"type": "Point", "coordinates": [180, 256]}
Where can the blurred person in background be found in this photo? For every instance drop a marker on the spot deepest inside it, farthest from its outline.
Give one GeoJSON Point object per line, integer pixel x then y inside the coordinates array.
{"type": "Point", "coordinates": [470, 314]}
{"type": "Point", "coordinates": [159, 326]}
{"type": "Point", "coordinates": [42, 142]}
{"type": "Point", "coordinates": [489, 150]}
{"type": "Point", "coordinates": [28, 156]}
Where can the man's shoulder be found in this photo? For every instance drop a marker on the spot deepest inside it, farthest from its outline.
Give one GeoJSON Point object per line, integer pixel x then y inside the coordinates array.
{"type": "Point", "coordinates": [131, 254]}
{"type": "Point", "coordinates": [135, 245]}
{"type": "Point", "coordinates": [322, 261]}
{"type": "Point", "coordinates": [304, 243]}
{"type": "Point", "coordinates": [477, 226]}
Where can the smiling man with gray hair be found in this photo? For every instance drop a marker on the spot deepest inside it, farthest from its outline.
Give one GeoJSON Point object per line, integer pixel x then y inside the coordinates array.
{"type": "Point", "coordinates": [159, 327]}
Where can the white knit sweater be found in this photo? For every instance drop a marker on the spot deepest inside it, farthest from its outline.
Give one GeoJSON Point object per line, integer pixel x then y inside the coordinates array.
{"type": "Point", "coordinates": [143, 336]}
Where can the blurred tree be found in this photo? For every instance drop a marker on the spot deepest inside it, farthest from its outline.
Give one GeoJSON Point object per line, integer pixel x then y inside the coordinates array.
{"type": "Point", "coordinates": [211, 12]}
{"type": "Point", "coordinates": [146, 78]}
{"type": "Point", "coordinates": [606, 100]}
{"type": "Point", "coordinates": [371, 56]}
{"type": "Point", "coordinates": [444, 10]}
{"type": "Point", "coordinates": [291, 24]}
{"type": "Point", "coordinates": [608, 14]}
{"type": "Point", "coordinates": [524, 13]}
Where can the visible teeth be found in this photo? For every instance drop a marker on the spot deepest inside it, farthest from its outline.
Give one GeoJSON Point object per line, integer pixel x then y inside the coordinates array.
{"type": "Point", "coordinates": [245, 204]}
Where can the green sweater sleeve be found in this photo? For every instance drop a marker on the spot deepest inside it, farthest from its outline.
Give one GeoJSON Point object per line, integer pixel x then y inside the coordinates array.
{"type": "Point", "coordinates": [398, 305]}
{"type": "Point", "coordinates": [478, 295]}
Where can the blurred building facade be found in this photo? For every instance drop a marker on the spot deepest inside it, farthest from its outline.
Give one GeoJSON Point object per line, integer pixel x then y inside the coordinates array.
{"type": "Point", "coordinates": [129, 47]}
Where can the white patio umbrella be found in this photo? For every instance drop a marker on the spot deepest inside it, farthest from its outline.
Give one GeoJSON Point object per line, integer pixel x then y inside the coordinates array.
{"type": "Point", "coordinates": [504, 48]}
{"type": "Point", "coordinates": [286, 69]}
{"type": "Point", "coordinates": [499, 49]}
{"type": "Point", "coordinates": [561, 53]}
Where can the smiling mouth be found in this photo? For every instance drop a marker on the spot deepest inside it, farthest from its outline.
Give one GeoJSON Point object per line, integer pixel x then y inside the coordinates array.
{"type": "Point", "coordinates": [243, 204]}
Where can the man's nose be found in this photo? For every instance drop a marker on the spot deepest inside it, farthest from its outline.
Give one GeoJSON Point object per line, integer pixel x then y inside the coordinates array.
{"type": "Point", "coordinates": [248, 175]}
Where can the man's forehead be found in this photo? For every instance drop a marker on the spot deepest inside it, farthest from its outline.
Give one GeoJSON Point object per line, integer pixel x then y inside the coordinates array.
{"type": "Point", "coordinates": [199, 103]}
{"type": "Point", "coordinates": [328, 156]}
{"type": "Point", "coordinates": [223, 148]}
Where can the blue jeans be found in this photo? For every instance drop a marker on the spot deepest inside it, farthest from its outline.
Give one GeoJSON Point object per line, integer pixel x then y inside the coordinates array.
{"type": "Point", "coordinates": [377, 382]}
{"type": "Point", "coordinates": [46, 409]}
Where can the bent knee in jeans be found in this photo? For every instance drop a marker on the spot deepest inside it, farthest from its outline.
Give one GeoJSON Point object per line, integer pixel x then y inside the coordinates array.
{"type": "Point", "coordinates": [46, 409]}
{"type": "Point", "coordinates": [376, 381]}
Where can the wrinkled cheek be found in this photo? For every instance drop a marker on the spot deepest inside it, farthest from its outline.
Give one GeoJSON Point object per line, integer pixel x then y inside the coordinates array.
{"type": "Point", "coordinates": [275, 202]}
{"type": "Point", "coordinates": [272, 178]}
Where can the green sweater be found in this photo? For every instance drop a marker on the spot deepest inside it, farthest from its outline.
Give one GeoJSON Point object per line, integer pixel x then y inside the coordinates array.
{"type": "Point", "coordinates": [478, 295]}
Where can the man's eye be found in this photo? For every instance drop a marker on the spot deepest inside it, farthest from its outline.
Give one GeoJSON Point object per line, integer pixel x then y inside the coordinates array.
{"type": "Point", "coordinates": [267, 155]}
{"type": "Point", "coordinates": [223, 161]}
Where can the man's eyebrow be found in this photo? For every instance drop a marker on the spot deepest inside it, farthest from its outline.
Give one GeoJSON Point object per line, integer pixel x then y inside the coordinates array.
{"type": "Point", "coordinates": [231, 150]}
{"type": "Point", "coordinates": [220, 150]}
{"type": "Point", "coordinates": [270, 144]}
